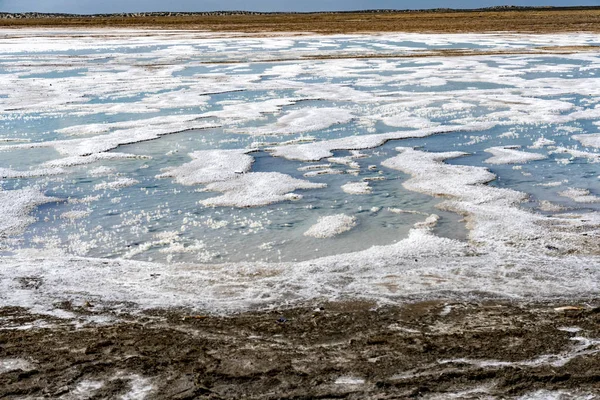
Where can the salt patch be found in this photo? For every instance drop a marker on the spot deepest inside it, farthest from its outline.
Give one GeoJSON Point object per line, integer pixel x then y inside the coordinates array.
{"type": "Point", "coordinates": [303, 120]}
{"type": "Point", "coordinates": [16, 207]}
{"type": "Point", "coordinates": [13, 364]}
{"type": "Point", "coordinates": [327, 171]}
{"type": "Point", "coordinates": [589, 140]}
{"type": "Point", "coordinates": [592, 157]}
{"type": "Point", "coordinates": [349, 380]}
{"type": "Point", "coordinates": [331, 225]}
{"type": "Point", "coordinates": [211, 166]}
{"type": "Point", "coordinates": [117, 184]}
{"type": "Point", "coordinates": [547, 206]}
{"type": "Point", "coordinates": [510, 155]}
{"type": "Point", "coordinates": [357, 188]}
{"type": "Point", "coordinates": [557, 395]}
{"type": "Point", "coordinates": [318, 150]}
{"type": "Point", "coordinates": [257, 189]}
{"type": "Point", "coordinates": [75, 214]}
{"type": "Point", "coordinates": [580, 195]}
{"type": "Point", "coordinates": [542, 142]}
{"type": "Point", "coordinates": [6, 173]}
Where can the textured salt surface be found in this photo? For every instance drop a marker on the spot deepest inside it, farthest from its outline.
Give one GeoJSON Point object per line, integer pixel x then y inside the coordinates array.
{"type": "Point", "coordinates": [330, 226]}
{"type": "Point", "coordinates": [580, 195]}
{"type": "Point", "coordinates": [211, 166]}
{"type": "Point", "coordinates": [590, 140]}
{"type": "Point", "coordinates": [152, 141]}
{"type": "Point", "coordinates": [17, 206]}
{"type": "Point", "coordinates": [357, 188]}
{"type": "Point", "coordinates": [510, 155]}
{"type": "Point", "coordinates": [257, 189]}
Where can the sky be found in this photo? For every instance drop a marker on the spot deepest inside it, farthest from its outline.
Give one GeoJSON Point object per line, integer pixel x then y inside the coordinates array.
{"type": "Point", "coordinates": [115, 6]}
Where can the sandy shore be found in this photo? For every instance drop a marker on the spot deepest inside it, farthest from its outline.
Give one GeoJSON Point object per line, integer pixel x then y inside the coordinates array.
{"type": "Point", "coordinates": [342, 350]}
{"type": "Point", "coordinates": [521, 20]}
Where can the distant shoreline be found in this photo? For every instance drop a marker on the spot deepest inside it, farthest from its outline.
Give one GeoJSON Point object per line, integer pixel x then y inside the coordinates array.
{"type": "Point", "coordinates": [495, 19]}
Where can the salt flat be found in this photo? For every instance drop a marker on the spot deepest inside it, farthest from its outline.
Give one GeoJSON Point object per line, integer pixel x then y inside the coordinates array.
{"type": "Point", "coordinates": [193, 169]}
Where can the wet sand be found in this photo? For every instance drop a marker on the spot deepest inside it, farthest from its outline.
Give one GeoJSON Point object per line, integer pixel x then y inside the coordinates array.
{"type": "Point", "coordinates": [350, 350]}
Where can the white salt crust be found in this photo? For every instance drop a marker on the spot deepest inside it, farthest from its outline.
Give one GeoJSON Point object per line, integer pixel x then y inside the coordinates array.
{"type": "Point", "coordinates": [116, 184]}
{"type": "Point", "coordinates": [512, 253]}
{"type": "Point", "coordinates": [357, 188]}
{"type": "Point", "coordinates": [210, 166]}
{"type": "Point", "coordinates": [590, 140]}
{"type": "Point", "coordinates": [302, 121]}
{"type": "Point", "coordinates": [331, 225]}
{"type": "Point", "coordinates": [17, 206]}
{"type": "Point", "coordinates": [257, 189]}
{"type": "Point", "coordinates": [510, 155]}
{"type": "Point", "coordinates": [580, 195]}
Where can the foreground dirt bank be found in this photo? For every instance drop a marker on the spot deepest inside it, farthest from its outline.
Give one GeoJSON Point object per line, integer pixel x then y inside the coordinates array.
{"type": "Point", "coordinates": [529, 20]}
{"type": "Point", "coordinates": [342, 350]}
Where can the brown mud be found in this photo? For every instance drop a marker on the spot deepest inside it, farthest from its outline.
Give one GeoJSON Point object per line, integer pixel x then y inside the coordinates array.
{"type": "Point", "coordinates": [525, 20]}
{"type": "Point", "coordinates": [349, 350]}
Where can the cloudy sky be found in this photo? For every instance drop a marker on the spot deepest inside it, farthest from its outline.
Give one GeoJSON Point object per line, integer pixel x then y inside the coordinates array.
{"type": "Point", "coordinates": [111, 6]}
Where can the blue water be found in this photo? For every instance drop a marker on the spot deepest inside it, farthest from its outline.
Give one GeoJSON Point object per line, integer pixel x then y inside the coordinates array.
{"type": "Point", "coordinates": [128, 222]}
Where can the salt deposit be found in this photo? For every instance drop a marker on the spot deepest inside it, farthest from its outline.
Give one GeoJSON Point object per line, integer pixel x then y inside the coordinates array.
{"type": "Point", "coordinates": [98, 119]}
{"type": "Point", "coordinates": [211, 166]}
{"type": "Point", "coordinates": [590, 140]}
{"type": "Point", "coordinates": [357, 188]}
{"type": "Point", "coordinates": [17, 206]}
{"type": "Point", "coordinates": [580, 195]}
{"type": "Point", "coordinates": [257, 189]}
{"type": "Point", "coordinates": [510, 155]}
{"type": "Point", "coordinates": [331, 225]}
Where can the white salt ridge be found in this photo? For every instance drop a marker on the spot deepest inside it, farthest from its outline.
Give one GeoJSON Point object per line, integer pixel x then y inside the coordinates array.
{"type": "Point", "coordinates": [7, 173]}
{"type": "Point", "coordinates": [580, 195]}
{"type": "Point", "coordinates": [257, 189]}
{"type": "Point", "coordinates": [75, 214]}
{"type": "Point", "coordinates": [557, 395]}
{"type": "Point", "coordinates": [16, 207]}
{"type": "Point", "coordinates": [326, 171]}
{"type": "Point", "coordinates": [93, 158]}
{"type": "Point", "coordinates": [349, 380]}
{"type": "Point", "coordinates": [542, 142]}
{"type": "Point", "coordinates": [210, 166]}
{"type": "Point", "coordinates": [547, 206]}
{"type": "Point", "coordinates": [510, 155]}
{"type": "Point", "coordinates": [331, 225]}
{"type": "Point", "coordinates": [102, 143]}
{"type": "Point", "coordinates": [314, 167]}
{"type": "Point", "coordinates": [357, 188]}
{"type": "Point", "coordinates": [584, 347]}
{"type": "Point", "coordinates": [116, 184]}
{"type": "Point", "coordinates": [323, 149]}
{"type": "Point", "coordinates": [13, 364]}
{"type": "Point", "coordinates": [302, 121]}
{"type": "Point", "coordinates": [589, 140]}
{"type": "Point", "coordinates": [592, 157]}
{"type": "Point", "coordinates": [492, 214]}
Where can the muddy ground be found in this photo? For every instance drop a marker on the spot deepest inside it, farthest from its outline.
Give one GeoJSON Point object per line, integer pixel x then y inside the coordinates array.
{"type": "Point", "coordinates": [536, 20]}
{"type": "Point", "coordinates": [342, 350]}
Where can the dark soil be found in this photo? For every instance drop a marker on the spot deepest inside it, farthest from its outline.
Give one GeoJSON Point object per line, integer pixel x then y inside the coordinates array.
{"type": "Point", "coordinates": [300, 353]}
{"type": "Point", "coordinates": [526, 20]}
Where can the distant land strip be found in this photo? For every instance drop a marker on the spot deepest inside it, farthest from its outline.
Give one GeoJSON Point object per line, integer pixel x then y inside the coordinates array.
{"type": "Point", "coordinates": [495, 19]}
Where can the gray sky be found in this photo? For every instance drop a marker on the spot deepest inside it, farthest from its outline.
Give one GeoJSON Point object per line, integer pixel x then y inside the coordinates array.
{"type": "Point", "coordinates": [113, 6]}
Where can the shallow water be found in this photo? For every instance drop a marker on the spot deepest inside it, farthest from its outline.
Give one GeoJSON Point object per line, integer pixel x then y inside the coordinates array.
{"type": "Point", "coordinates": [161, 220]}
{"type": "Point", "coordinates": [108, 125]}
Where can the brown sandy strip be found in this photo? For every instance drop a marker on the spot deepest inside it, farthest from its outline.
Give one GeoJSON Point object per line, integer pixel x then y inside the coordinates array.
{"type": "Point", "coordinates": [527, 21]}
